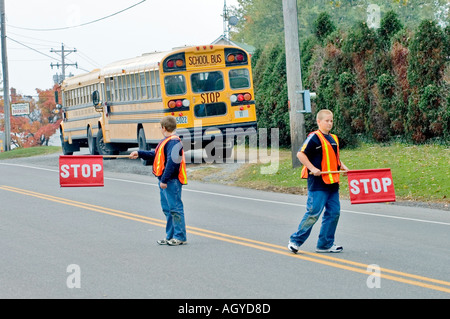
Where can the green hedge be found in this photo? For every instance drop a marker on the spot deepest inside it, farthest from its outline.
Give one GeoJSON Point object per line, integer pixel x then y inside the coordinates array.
{"type": "Point", "coordinates": [385, 84]}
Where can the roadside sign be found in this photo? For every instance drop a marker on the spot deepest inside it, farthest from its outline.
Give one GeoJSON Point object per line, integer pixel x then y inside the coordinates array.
{"type": "Point", "coordinates": [371, 186]}
{"type": "Point", "coordinates": [80, 171]}
{"type": "Point", "coordinates": [20, 109]}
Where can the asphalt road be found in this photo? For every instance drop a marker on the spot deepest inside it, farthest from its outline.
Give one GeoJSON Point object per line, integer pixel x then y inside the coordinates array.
{"type": "Point", "coordinates": [100, 242]}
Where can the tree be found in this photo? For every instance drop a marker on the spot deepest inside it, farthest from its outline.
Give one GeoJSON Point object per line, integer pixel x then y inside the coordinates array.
{"type": "Point", "coordinates": [427, 107]}
{"type": "Point", "coordinates": [40, 124]}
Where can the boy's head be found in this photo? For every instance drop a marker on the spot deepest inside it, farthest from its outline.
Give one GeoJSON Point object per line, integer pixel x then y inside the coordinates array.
{"type": "Point", "coordinates": [169, 123]}
{"type": "Point", "coordinates": [325, 120]}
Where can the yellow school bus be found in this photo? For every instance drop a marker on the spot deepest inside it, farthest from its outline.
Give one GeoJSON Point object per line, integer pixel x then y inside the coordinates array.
{"type": "Point", "coordinates": [79, 127]}
{"type": "Point", "coordinates": [208, 89]}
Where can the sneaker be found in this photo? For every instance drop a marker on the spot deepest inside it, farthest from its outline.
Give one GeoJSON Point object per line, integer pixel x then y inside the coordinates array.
{"type": "Point", "coordinates": [332, 249]}
{"type": "Point", "coordinates": [293, 247]}
{"type": "Point", "coordinates": [176, 242]}
{"type": "Point", "coordinates": [163, 241]}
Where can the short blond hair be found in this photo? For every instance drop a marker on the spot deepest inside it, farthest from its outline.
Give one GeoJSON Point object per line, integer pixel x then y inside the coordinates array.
{"type": "Point", "coordinates": [321, 114]}
{"type": "Point", "coordinates": [169, 123]}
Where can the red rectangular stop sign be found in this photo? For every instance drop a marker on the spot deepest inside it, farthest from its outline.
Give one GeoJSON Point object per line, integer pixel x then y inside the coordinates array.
{"type": "Point", "coordinates": [371, 186]}
{"type": "Point", "coordinates": [80, 171]}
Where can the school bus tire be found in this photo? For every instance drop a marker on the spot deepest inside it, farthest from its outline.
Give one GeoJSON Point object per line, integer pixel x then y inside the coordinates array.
{"type": "Point", "coordinates": [143, 145]}
{"type": "Point", "coordinates": [102, 147]}
{"type": "Point", "coordinates": [67, 148]}
{"type": "Point", "coordinates": [92, 142]}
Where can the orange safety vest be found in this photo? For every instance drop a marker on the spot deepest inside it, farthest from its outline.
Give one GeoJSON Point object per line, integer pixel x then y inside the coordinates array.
{"type": "Point", "coordinates": [159, 162]}
{"type": "Point", "coordinates": [330, 160]}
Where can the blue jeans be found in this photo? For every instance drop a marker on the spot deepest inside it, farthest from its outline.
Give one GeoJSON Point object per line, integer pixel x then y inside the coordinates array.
{"type": "Point", "coordinates": [317, 201]}
{"type": "Point", "coordinates": [172, 207]}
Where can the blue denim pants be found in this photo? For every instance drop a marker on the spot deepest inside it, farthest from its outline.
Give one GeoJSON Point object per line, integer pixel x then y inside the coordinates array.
{"type": "Point", "coordinates": [172, 207]}
{"type": "Point", "coordinates": [318, 202]}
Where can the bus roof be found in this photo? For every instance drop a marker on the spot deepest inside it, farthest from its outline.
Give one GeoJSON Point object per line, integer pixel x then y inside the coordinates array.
{"type": "Point", "coordinates": [81, 79]}
{"type": "Point", "coordinates": [145, 62]}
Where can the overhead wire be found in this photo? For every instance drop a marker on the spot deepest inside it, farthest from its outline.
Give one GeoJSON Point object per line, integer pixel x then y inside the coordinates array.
{"type": "Point", "coordinates": [79, 25]}
{"type": "Point", "coordinates": [49, 56]}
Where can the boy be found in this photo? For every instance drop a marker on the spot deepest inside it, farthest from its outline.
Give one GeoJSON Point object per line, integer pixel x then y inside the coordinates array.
{"type": "Point", "coordinates": [320, 154]}
{"type": "Point", "coordinates": [169, 166]}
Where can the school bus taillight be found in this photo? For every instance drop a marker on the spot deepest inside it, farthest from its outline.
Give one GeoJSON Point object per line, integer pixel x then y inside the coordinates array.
{"type": "Point", "coordinates": [178, 103]}
{"type": "Point", "coordinates": [241, 97]}
{"type": "Point", "coordinates": [175, 63]}
{"type": "Point", "coordinates": [235, 57]}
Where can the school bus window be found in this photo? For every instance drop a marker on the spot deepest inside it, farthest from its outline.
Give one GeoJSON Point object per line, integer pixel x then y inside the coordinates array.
{"type": "Point", "coordinates": [107, 90]}
{"type": "Point", "coordinates": [142, 82]}
{"type": "Point", "coordinates": [158, 84]}
{"type": "Point", "coordinates": [175, 84]}
{"type": "Point", "coordinates": [138, 86]}
{"type": "Point", "coordinates": [207, 82]}
{"type": "Point", "coordinates": [133, 93]}
{"type": "Point", "coordinates": [156, 87]}
{"type": "Point", "coordinates": [88, 91]}
{"type": "Point", "coordinates": [239, 79]}
{"type": "Point", "coordinates": [124, 88]}
{"type": "Point", "coordinates": [119, 89]}
{"type": "Point", "coordinates": [211, 109]}
{"type": "Point", "coordinates": [127, 87]}
{"type": "Point", "coordinates": [113, 92]}
{"type": "Point", "coordinates": [137, 92]}
{"type": "Point", "coordinates": [149, 88]}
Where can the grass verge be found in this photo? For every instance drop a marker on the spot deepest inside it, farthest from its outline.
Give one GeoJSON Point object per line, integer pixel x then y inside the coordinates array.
{"type": "Point", "coordinates": [28, 152]}
{"type": "Point", "coordinates": [420, 172]}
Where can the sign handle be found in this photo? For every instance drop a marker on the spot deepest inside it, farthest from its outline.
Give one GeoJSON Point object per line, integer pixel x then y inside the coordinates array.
{"type": "Point", "coordinates": [329, 172]}
{"type": "Point", "coordinates": [116, 156]}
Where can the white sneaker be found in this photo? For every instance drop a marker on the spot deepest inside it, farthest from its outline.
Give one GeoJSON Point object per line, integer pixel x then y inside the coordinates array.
{"type": "Point", "coordinates": [176, 242]}
{"type": "Point", "coordinates": [332, 249]}
{"type": "Point", "coordinates": [293, 247]}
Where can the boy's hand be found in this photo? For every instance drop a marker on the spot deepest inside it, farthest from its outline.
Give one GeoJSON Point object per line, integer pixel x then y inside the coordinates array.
{"type": "Point", "coordinates": [344, 168]}
{"type": "Point", "coordinates": [316, 171]}
{"type": "Point", "coordinates": [134, 155]}
{"type": "Point", "coordinates": [163, 185]}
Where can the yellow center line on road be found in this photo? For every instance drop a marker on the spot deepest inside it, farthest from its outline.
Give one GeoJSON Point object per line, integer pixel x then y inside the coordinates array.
{"type": "Point", "coordinates": [385, 273]}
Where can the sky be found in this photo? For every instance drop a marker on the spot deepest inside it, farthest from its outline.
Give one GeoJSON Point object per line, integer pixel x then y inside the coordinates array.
{"type": "Point", "coordinates": [151, 25]}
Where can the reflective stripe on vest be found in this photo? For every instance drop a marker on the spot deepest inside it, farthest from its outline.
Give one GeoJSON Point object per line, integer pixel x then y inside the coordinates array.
{"type": "Point", "coordinates": [330, 160]}
{"type": "Point", "coordinates": [159, 162]}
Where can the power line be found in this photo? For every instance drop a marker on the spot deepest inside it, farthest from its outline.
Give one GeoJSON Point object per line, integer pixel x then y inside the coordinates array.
{"type": "Point", "coordinates": [49, 56]}
{"type": "Point", "coordinates": [79, 25]}
{"type": "Point", "coordinates": [34, 38]}
{"type": "Point", "coordinates": [53, 58]}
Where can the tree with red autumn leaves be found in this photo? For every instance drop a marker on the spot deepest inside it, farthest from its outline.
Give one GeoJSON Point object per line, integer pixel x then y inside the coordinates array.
{"type": "Point", "coordinates": [36, 128]}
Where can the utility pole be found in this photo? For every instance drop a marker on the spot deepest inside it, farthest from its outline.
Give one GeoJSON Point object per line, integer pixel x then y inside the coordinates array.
{"type": "Point", "coordinates": [63, 64]}
{"type": "Point", "coordinates": [294, 78]}
{"type": "Point", "coordinates": [7, 107]}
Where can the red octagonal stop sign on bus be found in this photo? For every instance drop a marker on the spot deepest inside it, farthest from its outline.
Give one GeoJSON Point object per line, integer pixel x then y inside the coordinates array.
{"type": "Point", "coordinates": [80, 171]}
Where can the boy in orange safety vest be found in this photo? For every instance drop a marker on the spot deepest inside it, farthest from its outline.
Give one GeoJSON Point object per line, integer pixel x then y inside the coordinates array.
{"type": "Point", "coordinates": [169, 166]}
{"type": "Point", "coordinates": [319, 154]}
